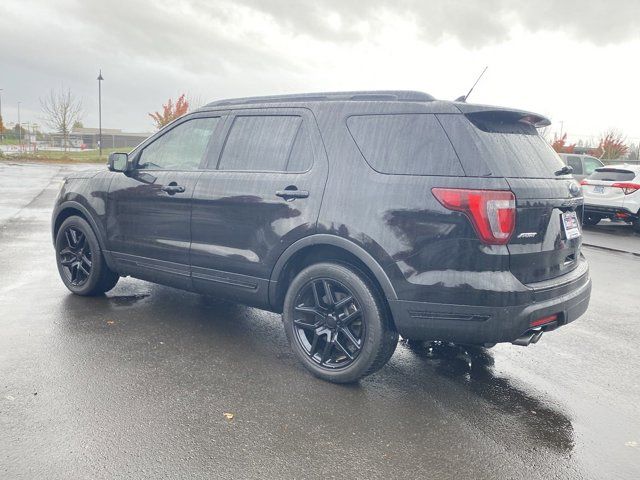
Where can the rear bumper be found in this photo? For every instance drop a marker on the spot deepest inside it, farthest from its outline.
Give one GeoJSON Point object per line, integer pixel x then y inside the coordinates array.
{"type": "Point", "coordinates": [609, 211]}
{"type": "Point", "coordinates": [479, 325]}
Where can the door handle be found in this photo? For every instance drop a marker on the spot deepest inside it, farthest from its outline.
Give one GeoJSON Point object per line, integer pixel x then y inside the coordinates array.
{"type": "Point", "coordinates": [172, 188]}
{"type": "Point", "coordinates": [291, 193]}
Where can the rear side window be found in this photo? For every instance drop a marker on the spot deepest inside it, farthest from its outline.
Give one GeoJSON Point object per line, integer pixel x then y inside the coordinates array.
{"type": "Point", "coordinates": [409, 144]}
{"type": "Point", "coordinates": [574, 162]}
{"type": "Point", "coordinates": [267, 143]}
{"type": "Point", "coordinates": [612, 175]}
{"type": "Point", "coordinates": [493, 143]}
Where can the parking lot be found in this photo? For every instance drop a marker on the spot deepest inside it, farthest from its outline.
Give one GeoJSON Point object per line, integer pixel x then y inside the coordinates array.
{"type": "Point", "coordinates": [135, 384]}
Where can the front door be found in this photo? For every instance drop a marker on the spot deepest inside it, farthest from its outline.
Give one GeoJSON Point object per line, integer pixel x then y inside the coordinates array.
{"type": "Point", "coordinates": [259, 195]}
{"type": "Point", "coordinates": [149, 208]}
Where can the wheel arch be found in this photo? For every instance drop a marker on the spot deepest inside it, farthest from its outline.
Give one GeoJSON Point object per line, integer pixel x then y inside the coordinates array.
{"type": "Point", "coordinates": [69, 209]}
{"type": "Point", "coordinates": [323, 247]}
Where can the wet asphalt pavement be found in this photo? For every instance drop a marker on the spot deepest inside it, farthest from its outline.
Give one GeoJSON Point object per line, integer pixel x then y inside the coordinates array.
{"type": "Point", "coordinates": [134, 384]}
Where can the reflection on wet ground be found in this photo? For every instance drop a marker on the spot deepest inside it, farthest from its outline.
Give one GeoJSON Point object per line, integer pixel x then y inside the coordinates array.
{"type": "Point", "coordinates": [127, 300]}
{"type": "Point", "coordinates": [472, 367]}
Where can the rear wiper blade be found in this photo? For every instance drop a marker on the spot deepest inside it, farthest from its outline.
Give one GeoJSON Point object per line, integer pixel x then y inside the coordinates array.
{"type": "Point", "coordinates": [566, 170]}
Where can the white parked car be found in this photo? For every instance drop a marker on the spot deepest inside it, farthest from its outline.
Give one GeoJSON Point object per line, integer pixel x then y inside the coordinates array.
{"type": "Point", "coordinates": [612, 192]}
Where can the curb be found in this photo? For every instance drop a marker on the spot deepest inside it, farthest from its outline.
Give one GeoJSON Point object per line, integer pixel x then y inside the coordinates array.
{"type": "Point", "coordinates": [609, 249]}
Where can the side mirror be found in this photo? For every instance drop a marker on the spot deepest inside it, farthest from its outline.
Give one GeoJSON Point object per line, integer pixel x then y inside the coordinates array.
{"type": "Point", "coordinates": [119, 162]}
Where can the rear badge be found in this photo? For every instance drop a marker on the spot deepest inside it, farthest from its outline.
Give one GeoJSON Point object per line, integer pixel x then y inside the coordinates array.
{"type": "Point", "coordinates": [527, 235]}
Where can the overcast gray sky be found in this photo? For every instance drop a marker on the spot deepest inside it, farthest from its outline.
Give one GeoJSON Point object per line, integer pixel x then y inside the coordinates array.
{"type": "Point", "coordinates": [577, 61]}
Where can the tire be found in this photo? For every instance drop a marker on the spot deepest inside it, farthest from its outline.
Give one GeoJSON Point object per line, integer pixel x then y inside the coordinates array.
{"type": "Point", "coordinates": [337, 323]}
{"type": "Point", "coordinates": [81, 264]}
{"type": "Point", "coordinates": [591, 220]}
{"type": "Point", "coordinates": [636, 225]}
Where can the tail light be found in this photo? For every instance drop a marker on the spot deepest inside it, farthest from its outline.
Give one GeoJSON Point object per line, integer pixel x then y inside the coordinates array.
{"type": "Point", "coordinates": [627, 188]}
{"type": "Point", "coordinates": [584, 182]}
{"type": "Point", "coordinates": [492, 212]}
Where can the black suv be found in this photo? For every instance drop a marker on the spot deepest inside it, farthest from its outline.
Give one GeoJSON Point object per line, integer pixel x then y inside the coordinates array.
{"type": "Point", "coordinates": [357, 215]}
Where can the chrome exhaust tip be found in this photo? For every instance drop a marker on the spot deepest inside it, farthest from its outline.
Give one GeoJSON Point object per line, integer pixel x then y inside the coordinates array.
{"type": "Point", "coordinates": [531, 336]}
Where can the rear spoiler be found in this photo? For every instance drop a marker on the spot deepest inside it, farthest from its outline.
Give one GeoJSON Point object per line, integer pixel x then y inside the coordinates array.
{"type": "Point", "coordinates": [506, 115]}
{"type": "Point", "coordinates": [615, 168]}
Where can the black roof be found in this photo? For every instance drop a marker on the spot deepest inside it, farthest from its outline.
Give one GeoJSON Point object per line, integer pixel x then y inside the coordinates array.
{"type": "Point", "coordinates": [387, 96]}
{"type": "Point", "coordinates": [365, 95]}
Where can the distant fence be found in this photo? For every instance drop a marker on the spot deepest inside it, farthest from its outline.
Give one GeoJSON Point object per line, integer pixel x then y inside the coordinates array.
{"type": "Point", "coordinates": [76, 141]}
{"type": "Point", "coordinates": [618, 161]}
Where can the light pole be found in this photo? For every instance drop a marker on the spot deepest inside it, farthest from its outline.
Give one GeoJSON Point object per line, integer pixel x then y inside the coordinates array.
{"type": "Point", "coordinates": [1, 119]}
{"type": "Point", "coordinates": [100, 79]}
{"type": "Point", "coordinates": [19, 128]}
{"type": "Point", "coordinates": [34, 126]}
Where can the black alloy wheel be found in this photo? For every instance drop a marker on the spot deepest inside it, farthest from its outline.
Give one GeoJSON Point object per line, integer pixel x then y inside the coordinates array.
{"type": "Point", "coordinates": [80, 262]}
{"type": "Point", "coordinates": [329, 323]}
{"type": "Point", "coordinates": [75, 256]}
{"type": "Point", "coordinates": [337, 322]}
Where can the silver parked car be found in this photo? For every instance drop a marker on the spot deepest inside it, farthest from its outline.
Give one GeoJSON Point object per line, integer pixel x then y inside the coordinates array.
{"type": "Point", "coordinates": [583, 165]}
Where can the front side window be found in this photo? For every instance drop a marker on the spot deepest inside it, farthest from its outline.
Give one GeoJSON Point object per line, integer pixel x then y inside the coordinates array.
{"type": "Point", "coordinates": [574, 162]}
{"type": "Point", "coordinates": [267, 143]}
{"type": "Point", "coordinates": [181, 148]}
{"type": "Point", "coordinates": [590, 165]}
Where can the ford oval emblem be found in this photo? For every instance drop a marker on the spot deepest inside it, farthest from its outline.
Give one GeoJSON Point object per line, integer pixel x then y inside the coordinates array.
{"type": "Point", "coordinates": [574, 189]}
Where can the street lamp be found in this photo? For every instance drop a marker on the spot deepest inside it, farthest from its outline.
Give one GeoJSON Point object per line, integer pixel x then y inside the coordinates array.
{"type": "Point", "coordinates": [19, 127]}
{"type": "Point", "coordinates": [1, 119]}
{"type": "Point", "coordinates": [100, 79]}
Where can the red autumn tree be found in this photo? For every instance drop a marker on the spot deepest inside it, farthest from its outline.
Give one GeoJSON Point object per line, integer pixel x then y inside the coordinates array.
{"type": "Point", "coordinates": [611, 146]}
{"type": "Point", "coordinates": [170, 111]}
{"type": "Point", "coordinates": [560, 145]}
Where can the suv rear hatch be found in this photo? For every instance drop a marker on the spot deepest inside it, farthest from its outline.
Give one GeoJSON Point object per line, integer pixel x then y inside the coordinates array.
{"type": "Point", "coordinates": [609, 186]}
{"type": "Point", "coordinates": [505, 143]}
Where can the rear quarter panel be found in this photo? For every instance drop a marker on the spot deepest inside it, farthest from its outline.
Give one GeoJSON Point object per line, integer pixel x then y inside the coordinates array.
{"type": "Point", "coordinates": [421, 246]}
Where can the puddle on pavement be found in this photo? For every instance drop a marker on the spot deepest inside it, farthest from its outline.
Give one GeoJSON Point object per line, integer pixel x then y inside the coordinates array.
{"type": "Point", "coordinates": [472, 367]}
{"type": "Point", "coordinates": [127, 300]}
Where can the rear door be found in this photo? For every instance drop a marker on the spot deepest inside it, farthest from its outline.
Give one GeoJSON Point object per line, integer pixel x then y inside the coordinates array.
{"type": "Point", "coordinates": [504, 144]}
{"type": "Point", "coordinates": [149, 208]}
{"type": "Point", "coordinates": [259, 194]}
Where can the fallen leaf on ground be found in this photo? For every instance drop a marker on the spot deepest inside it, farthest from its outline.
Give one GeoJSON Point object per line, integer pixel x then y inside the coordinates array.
{"type": "Point", "coordinates": [110, 322]}
{"type": "Point", "coordinates": [228, 416]}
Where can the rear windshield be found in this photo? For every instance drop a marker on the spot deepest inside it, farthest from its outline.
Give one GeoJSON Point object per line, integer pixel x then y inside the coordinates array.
{"type": "Point", "coordinates": [492, 143]}
{"type": "Point", "coordinates": [612, 175]}
{"type": "Point", "coordinates": [404, 144]}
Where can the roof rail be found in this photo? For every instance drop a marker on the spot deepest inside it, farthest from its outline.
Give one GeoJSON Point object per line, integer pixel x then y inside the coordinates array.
{"type": "Point", "coordinates": [363, 96]}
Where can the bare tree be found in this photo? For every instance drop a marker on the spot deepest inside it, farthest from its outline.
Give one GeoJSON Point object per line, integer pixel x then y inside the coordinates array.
{"type": "Point", "coordinates": [61, 110]}
{"type": "Point", "coordinates": [195, 101]}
